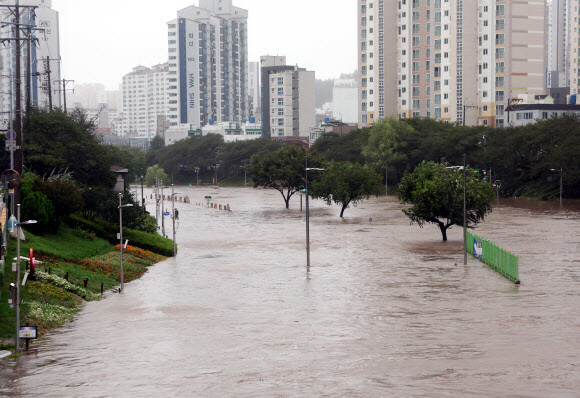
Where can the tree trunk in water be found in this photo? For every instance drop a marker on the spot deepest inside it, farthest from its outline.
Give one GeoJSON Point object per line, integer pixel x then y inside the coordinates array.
{"type": "Point", "coordinates": [443, 229]}
{"type": "Point", "coordinates": [342, 211]}
{"type": "Point", "coordinates": [287, 202]}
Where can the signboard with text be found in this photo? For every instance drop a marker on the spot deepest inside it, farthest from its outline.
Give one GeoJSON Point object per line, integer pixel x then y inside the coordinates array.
{"type": "Point", "coordinates": [27, 332]}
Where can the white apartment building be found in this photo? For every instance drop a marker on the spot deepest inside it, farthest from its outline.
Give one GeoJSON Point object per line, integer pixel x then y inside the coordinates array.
{"type": "Point", "coordinates": [48, 47]}
{"type": "Point", "coordinates": [573, 58]}
{"type": "Point", "coordinates": [208, 65]}
{"type": "Point", "coordinates": [437, 70]}
{"type": "Point", "coordinates": [288, 99]}
{"type": "Point", "coordinates": [377, 60]}
{"type": "Point", "coordinates": [254, 90]}
{"type": "Point", "coordinates": [144, 100]}
{"type": "Point", "coordinates": [455, 60]}
{"type": "Point", "coordinates": [558, 51]}
{"type": "Point", "coordinates": [345, 100]}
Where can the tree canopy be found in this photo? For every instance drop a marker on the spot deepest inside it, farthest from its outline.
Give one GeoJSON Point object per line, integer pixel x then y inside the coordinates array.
{"type": "Point", "coordinates": [283, 170]}
{"type": "Point", "coordinates": [346, 184]}
{"type": "Point", "coordinates": [436, 193]}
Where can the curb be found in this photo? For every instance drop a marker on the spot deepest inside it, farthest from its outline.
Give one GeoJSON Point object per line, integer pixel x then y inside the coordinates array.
{"type": "Point", "coordinates": [4, 354]}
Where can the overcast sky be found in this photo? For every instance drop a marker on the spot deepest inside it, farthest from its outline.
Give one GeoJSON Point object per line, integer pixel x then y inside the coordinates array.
{"type": "Point", "coordinates": [102, 40]}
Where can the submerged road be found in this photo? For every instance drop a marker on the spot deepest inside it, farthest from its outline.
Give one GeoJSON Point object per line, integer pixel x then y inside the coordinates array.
{"type": "Point", "coordinates": [384, 311]}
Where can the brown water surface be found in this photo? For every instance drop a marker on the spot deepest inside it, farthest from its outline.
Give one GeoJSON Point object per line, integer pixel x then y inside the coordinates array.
{"type": "Point", "coordinates": [384, 311]}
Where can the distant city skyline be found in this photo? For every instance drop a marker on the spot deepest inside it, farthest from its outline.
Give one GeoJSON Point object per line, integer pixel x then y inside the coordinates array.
{"type": "Point", "coordinates": [102, 41]}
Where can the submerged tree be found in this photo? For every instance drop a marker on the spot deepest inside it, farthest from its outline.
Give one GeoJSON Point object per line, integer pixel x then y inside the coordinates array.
{"type": "Point", "coordinates": [436, 193]}
{"type": "Point", "coordinates": [346, 184]}
{"type": "Point", "coordinates": [283, 170]}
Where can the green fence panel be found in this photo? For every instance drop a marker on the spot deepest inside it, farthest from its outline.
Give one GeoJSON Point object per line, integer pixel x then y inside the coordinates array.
{"type": "Point", "coordinates": [502, 261]}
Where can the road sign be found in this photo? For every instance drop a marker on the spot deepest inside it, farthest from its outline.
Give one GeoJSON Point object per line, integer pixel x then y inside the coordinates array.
{"type": "Point", "coordinates": [27, 332]}
{"type": "Point", "coordinates": [11, 192]}
{"type": "Point", "coordinates": [10, 135]}
{"type": "Point", "coordinates": [10, 145]}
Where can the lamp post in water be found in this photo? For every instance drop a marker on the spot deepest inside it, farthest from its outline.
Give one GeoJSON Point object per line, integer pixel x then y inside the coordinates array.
{"type": "Point", "coordinates": [121, 206]}
{"type": "Point", "coordinates": [163, 211]}
{"type": "Point", "coordinates": [17, 287]}
{"type": "Point", "coordinates": [308, 214]}
{"type": "Point", "coordinates": [173, 216]}
{"type": "Point", "coordinates": [561, 182]}
{"type": "Point", "coordinates": [464, 211]}
{"type": "Point", "coordinates": [497, 185]}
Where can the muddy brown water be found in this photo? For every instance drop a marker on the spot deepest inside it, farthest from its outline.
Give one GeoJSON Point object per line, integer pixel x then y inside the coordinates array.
{"type": "Point", "coordinates": [384, 311]}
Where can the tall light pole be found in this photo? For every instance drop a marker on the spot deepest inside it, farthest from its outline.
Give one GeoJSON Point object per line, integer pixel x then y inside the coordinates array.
{"type": "Point", "coordinates": [561, 182]}
{"type": "Point", "coordinates": [173, 216]}
{"type": "Point", "coordinates": [387, 180]}
{"type": "Point", "coordinates": [308, 215]}
{"type": "Point", "coordinates": [142, 195]}
{"type": "Point", "coordinates": [464, 211]}
{"type": "Point", "coordinates": [121, 206]}
{"type": "Point", "coordinates": [497, 185]}
{"type": "Point", "coordinates": [163, 211]}
{"type": "Point", "coordinates": [17, 287]}
{"type": "Point", "coordinates": [197, 173]}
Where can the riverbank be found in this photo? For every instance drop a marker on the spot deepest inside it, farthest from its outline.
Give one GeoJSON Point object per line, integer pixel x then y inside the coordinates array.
{"type": "Point", "coordinates": [73, 267]}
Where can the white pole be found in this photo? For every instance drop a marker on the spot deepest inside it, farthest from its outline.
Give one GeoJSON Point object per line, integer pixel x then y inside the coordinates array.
{"type": "Point", "coordinates": [17, 337]}
{"type": "Point", "coordinates": [173, 212]}
{"type": "Point", "coordinates": [121, 239]}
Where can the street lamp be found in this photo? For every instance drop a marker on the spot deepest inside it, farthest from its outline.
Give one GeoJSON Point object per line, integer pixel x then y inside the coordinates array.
{"type": "Point", "coordinates": [163, 211]}
{"type": "Point", "coordinates": [197, 173]}
{"type": "Point", "coordinates": [17, 287]}
{"type": "Point", "coordinates": [497, 185]}
{"type": "Point", "coordinates": [464, 211]}
{"type": "Point", "coordinates": [142, 195]}
{"type": "Point", "coordinates": [121, 206]}
{"type": "Point", "coordinates": [173, 216]}
{"type": "Point", "coordinates": [561, 182]}
{"type": "Point", "coordinates": [308, 215]}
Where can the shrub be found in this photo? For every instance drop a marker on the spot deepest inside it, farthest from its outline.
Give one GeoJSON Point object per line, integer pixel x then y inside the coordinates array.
{"type": "Point", "coordinates": [144, 240]}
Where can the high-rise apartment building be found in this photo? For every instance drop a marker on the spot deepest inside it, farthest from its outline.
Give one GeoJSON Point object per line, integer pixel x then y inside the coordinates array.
{"type": "Point", "coordinates": [254, 89]}
{"type": "Point", "coordinates": [456, 60]}
{"type": "Point", "coordinates": [144, 101]}
{"type": "Point", "coordinates": [288, 99]}
{"type": "Point", "coordinates": [573, 57]}
{"type": "Point", "coordinates": [557, 40]}
{"type": "Point", "coordinates": [377, 61]}
{"type": "Point", "coordinates": [437, 59]}
{"type": "Point", "coordinates": [45, 54]}
{"type": "Point", "coordinates": [511, 55]}
{"type": "Point", "coordinates": [208, 65]}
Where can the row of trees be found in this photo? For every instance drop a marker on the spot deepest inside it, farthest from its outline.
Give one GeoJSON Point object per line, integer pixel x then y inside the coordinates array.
{"type": "Point", "coordinates": [522, 158]}
{"type": "Point", "coordinates": [434, 190]}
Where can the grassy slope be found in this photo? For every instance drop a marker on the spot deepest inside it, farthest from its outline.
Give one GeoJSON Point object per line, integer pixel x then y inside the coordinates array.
{"type": "Point", "coordinates": [65, 243]}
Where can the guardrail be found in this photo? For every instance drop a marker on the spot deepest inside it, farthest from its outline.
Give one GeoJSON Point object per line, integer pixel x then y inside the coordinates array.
{"type": "Point", "coordinates": [500, 260]}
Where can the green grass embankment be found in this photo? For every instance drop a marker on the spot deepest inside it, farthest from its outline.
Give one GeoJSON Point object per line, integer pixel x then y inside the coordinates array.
{"type": "Point", "coordinates": [67, 259]}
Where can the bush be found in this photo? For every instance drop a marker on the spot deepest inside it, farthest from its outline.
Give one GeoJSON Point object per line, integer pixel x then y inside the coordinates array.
{"type": "Point", "coordinates": [144, 240]}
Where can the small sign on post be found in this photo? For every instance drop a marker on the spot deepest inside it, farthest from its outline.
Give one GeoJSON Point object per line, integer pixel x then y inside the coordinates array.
{"type": "Point", "coordinates": [28, 332]}
{"type": "Point", "coordinates": [477, 248]}
{"type": "Point", "coordinates": [126, 244]}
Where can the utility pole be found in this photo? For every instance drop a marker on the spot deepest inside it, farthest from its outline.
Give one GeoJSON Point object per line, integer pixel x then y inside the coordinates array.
{"type": "Point", "coordinates": [15, 10]}
{"type": "Point", "coordinates": [64, 83]}
{"type": "Point", "coordinates": [49, 82]}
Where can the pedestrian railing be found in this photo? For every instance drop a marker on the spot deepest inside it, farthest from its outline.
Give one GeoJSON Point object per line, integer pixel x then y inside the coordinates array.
{"type": "Point", "coordinates": [501, 260]}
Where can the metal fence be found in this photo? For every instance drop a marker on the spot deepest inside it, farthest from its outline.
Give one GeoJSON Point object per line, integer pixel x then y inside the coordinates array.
{"type": "Point", "coordinates": [501, 260]}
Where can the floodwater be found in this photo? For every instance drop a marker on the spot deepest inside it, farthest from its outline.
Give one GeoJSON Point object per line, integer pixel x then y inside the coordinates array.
{"type": "Point", "coordinates": [383, 312]}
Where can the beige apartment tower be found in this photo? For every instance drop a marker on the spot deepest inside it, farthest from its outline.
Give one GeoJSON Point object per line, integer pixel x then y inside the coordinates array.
{"type": "Point", "coordinates": [512, 56]}
{"type": "Point", "coordinates": [459, 61]}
